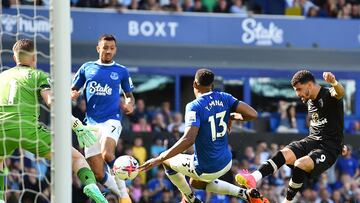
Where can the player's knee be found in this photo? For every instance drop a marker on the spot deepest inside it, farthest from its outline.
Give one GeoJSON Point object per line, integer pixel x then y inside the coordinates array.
{"type": "Point", "coordinates": [99, 176]}
{"type": "Point", "coordinates": [200, 185]}
{"type": "Point", "coordinates": [107, 156]}
{"type": "Point", "coordinates": [304, 163]}
{"type": "Point", "coordinates": [289, 156]}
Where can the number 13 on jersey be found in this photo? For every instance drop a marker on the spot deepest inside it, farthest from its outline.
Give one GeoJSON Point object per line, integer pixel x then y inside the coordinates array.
{"type": "Point", "coordinates": [214, 133]}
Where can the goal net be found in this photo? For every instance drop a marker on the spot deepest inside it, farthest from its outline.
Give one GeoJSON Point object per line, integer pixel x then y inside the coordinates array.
{"type": "Point", "coordinates": [27, 177]}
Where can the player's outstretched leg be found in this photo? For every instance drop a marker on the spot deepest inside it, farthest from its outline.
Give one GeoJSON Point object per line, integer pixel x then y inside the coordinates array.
{"type": "Point", "coordinates": [87, 177]}
{"type": "Point", "coordinates": [180, 182]}
{"type": "Point", "coordinates": [221, 187]}
{"type": "Point", "coordinates": [248, 180]}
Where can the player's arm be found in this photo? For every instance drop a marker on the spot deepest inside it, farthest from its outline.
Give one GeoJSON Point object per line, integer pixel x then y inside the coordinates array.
{"type": "Point", "coordinates": [186, 141]}
{"type": "Point", "coordinates": [247, 112]}
{"type": "Point", "coordinates": [337, 90]}
{"type": "Point", "coordinates": [128, 105]}
{"type": "Point", "coordinates": [78, 82]}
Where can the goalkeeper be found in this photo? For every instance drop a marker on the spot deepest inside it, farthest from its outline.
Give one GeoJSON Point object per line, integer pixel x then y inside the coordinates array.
{"type": "Point", "coordinates": [20, 89]}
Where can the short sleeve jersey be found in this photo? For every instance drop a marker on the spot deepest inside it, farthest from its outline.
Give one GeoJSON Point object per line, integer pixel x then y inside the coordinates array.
{"type": "Point", "coordinates": [20, 92]}
{"type": "Point", "coordinates": [326, 117]}
{"type": "Point", "coordinates": [103, 86]}
{"type": "Point", "coordinates": [211, 113]}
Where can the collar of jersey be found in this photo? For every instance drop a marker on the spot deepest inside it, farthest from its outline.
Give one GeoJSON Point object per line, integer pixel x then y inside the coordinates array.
{"type": "Point", "coordinates": [207, 93]}
{"type": "Point", "coordinates": [104, 64]}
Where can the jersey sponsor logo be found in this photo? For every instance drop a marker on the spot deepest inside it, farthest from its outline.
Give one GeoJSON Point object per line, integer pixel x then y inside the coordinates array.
{"type": "Point", "coordinates": [97, 89]}
{"type": "Point", "coordinates": [318, 122]}
{"type": "Point", "coordinates": [114, 75]}
{"type": "Point", "coordinates": [190, 116]}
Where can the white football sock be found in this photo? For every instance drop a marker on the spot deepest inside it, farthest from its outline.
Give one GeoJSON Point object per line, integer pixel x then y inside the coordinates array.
{"type": "Point", "coordinates": [179, 181]}
{"type": "Point", "coordinates": [225, 188]}
{"type": "Point", "coordinates": [257, 175]}
{"type": "Point", "coordinates": [121, 185]}
{"type": "Point", "coordinates": [111, 184]}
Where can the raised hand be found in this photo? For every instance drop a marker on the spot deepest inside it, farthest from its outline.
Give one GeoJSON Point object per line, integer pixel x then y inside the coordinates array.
{"type": "Point", "coordinates": [85, 134]}
{"type": "Point", "coordinates": [329, 77]}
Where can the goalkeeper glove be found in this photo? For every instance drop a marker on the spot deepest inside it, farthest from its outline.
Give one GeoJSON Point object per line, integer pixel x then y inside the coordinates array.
{"type": "Point", "coordinates": [85, 134]}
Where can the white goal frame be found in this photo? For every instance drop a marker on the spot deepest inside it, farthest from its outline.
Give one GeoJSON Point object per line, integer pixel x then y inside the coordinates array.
{"type": "Point", "coordinates": [60, 62]}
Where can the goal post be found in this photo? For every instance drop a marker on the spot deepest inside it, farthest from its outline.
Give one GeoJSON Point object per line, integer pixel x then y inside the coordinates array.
{"type": "Point", "coordinates": [60, 62]}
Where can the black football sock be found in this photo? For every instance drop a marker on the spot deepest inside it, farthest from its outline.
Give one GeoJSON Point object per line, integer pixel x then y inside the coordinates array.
{"type": "Point", "coordinates": [295, 183]}
{"type": "Point", "coordinates": [272, 165]}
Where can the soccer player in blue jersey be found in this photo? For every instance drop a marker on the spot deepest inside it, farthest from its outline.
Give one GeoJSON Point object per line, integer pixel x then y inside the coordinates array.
{"type": "Point", "coordinates": [206, 121]}
{"type": "Point", "coordinates": [103, 82]}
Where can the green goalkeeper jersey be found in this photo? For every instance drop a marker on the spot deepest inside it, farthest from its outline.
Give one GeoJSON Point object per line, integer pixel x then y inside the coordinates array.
{"type": "Point", "coordinates": [20, 92]}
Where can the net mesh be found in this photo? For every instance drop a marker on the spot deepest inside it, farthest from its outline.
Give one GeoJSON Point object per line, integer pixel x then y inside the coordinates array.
{"type": "Point", "coordinates": [27, 177]}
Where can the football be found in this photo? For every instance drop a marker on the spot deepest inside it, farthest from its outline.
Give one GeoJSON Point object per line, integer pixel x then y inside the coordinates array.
{"type": "Point", "coordinates": [126, 167]}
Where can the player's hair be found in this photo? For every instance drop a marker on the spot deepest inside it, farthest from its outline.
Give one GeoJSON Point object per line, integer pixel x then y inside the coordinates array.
{"type": "Point", "coordinates": [204, 77]}
{"type": "Point", "coordinates": [107, 37]}
{"type": "Point", "coordinates": [302, 76]}
{"type": "Point", "coordinates": [23, 48]}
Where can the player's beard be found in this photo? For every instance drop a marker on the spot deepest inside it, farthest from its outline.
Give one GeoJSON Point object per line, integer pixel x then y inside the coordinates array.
{"type": "Point", "coordinates": [306, 97]}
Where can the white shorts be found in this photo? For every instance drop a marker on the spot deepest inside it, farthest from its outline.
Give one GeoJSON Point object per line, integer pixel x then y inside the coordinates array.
{"type": "Point", "coordinates": [110, 128]}
{"type": "Point", "coordinates": [184, 164]}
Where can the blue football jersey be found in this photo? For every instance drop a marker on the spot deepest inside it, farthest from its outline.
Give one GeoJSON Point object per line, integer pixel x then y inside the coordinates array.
{"type": "Point", "coordinates": [211, 113]}
{"type": "Point", "coordinates": [103, 86]}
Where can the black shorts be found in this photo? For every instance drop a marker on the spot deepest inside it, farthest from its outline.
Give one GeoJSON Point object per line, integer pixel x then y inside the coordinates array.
{"type": "Point", "coordinates": [323, 156]}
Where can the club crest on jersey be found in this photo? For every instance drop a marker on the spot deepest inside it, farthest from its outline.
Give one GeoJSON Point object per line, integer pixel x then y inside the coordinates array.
{"type": "Point", "coordinates": [114, 75]}
{"type": "Point", "coordinates": [97, 89]}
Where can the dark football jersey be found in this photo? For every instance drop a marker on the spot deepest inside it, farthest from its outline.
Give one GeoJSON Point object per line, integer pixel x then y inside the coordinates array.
{"type": "Point", "coordinates": [326, 117]}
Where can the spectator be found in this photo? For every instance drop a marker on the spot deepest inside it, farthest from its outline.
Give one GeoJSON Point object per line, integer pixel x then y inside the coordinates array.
{"type": "Point", "coordinates": [355, 10]}
{"type": "Point", "coordinates": [287, 113]}
{"type": "Point", "coordinates": [31, 2]}
{"type": "Point", "coordinates": [136, 190]}
{"type": "Point", "coordinates": [140, 154]}
{"type": "Point", "coordinates": [345, 12]}
{"type": "Point", "coordinates": [158, 184]}
{"type": "Point", "coordinates": [91, 3]}
{"type": "Point", "coordinates": [221, 7]}
{"type": "Point", "coordinates": [336, 197]}
{"type": "Point", "coordinates": [348, 164]}
{"type": "Point", "coordinates": [134, 5]}
{"type": "Point", "coordinates": [150, 5]}
{"type": "Point", "coordinates": [167, 197]}
{"type": "Point", "coordinates": [141, 126]}
{"type": "Point", "coordinates": [140, 110]}
{"type": "Point", "coordinates": [313, 12]}
{"type": "Point", "coordinates": [188, 5]}
{"type": "Point", "coordinates": [177, 121]}
{"type": "Point", "coordinates": [158, 123]}
{"type": "Point", "coordinates": [199, 7]}
{"type": "Point", "coordinates": [355, 128]}
{"type": "Point", "coordinates": [324, 196]}
{"type": "Point", "coordinates": [166, 106]}
{"type": "Point", "coordinates": [262, 150]}
{"type": "Point", "coordinates": [249, 154]}
{"type": "Point", "coordinates": [173, 137]}
{"type": "Point", "coordinates": [238, 7]}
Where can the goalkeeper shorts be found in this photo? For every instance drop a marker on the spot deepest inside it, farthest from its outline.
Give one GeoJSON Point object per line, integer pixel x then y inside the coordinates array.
{"type": "Point", "coordinates": [30, 136]}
